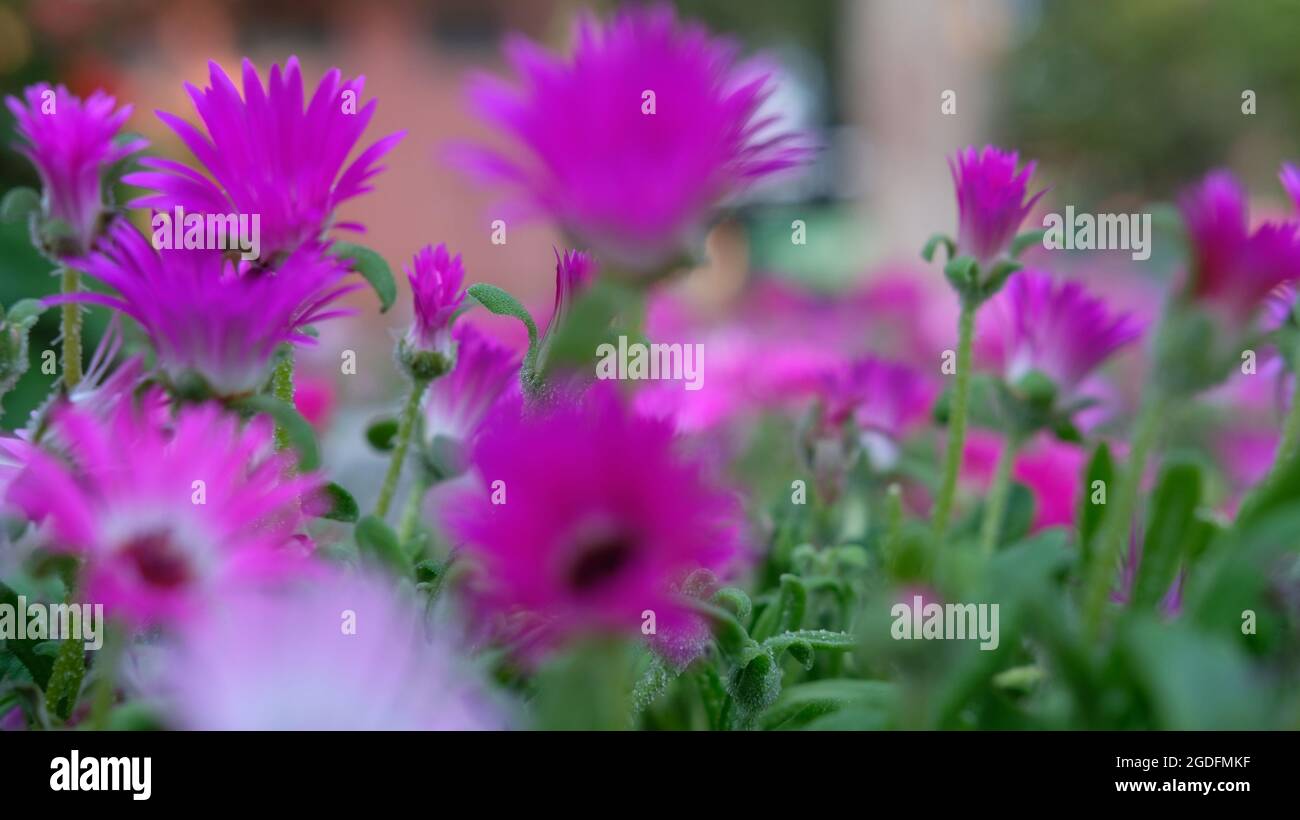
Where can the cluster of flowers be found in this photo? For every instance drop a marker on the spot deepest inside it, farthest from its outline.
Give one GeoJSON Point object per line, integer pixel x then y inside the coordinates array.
{"type": "Point", "coordinates": [178, 481]}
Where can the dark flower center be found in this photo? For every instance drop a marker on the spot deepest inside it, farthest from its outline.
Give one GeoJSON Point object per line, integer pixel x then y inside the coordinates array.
{"type": "Point", "coordinates": [599, 561]}
{"type": "Point", "coordinates": [157, 560]}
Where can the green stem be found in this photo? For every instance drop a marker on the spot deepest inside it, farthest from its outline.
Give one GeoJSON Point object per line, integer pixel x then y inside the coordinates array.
{"type": "Point", "coordinates": [282, 389]}
{"type": "Point", "coordinates": [71, 330]}
{"type": "Point", "coordinates": [411, 512]}
{"type": "Point", "coordinates": [995, 506]}
{"type": "Point", "coordinates": [1118, 521]}
{"type": "Point", "coordinates": [406, 425]}
{"type": "Point", "coordinates": [956, 419]}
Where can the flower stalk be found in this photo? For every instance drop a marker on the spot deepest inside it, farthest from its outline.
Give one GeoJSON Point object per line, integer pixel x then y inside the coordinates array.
{"type": "Point", "coordinates": [405, 428]}
{"type": "Point", "coordinates": [956, 419]}
{"type": "Point", "coordinates": [71, 327]}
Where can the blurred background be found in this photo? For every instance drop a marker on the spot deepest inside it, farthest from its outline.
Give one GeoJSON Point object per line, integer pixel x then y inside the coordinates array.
{"type": "Point", "coordinates": [1122, 102]}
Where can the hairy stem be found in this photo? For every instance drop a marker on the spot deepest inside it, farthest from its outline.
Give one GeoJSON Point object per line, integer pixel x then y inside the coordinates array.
{"type": "Point", "coordinates": [956, 419]}
{"type": "Point", "coordinates": [71, 283]}
{"type": "Point", "coordinates": [282, 389]}
{"type": "Point", "coordinates": [405, 426]}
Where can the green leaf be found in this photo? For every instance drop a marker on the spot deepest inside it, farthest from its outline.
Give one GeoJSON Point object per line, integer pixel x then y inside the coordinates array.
{"type": "Point", "coordinates": [377, 540]}
{"type": "Point", "coordinates": [962, 273]}
{"type": "Point", "coordinates": [1025, 240]}
{"type": "Point", "coordinates": [502, 303]}
{"type": "Point", "coordinates": [1169, 524]}
{"type": "Point", "coordinates": [65, 678]}
{"type": "Point", "coordinates": [787, 612]}
{"type": "Point", "coordinates": [343, 507]}
{"type": "Point", "coordinates": [735, 601]}
{"type": "Point", "coordinates": [931, 244]}
{"type": "Point", "coordinates": [19, 204]}
{"type": "Point", "coordinates": [1101, 467]}
{"type": "Point", "coordinates": [372, 268]}
{"type": "Point", "coordinates": [801, 704]}
{"type": "Point", "coordinates": [25, 312]}
{"type": "Point", "coordinates": [997, 277]}
{"type": "Point", "coordinates": [38, 666]}
{"type": "Point", "coordinates": [1193, 680]}
{"type": "Point", "coordinates": [299, 431]}
{"type": "Point", "coordinates": [382, 433]}
{"type": "Point", "coordinates": [815, 639]}
{"type": "Point", "coordinates": [730, 635]}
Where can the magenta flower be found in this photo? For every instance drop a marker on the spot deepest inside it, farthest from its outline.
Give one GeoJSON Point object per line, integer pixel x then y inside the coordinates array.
{"type": "Point", "coordinates": [207, 316]}
{"type": "Point", "coordinates": [485, 372]}
{"type": "Point", "coordinates": [1057, 329]}
{"type": "Point", "coordinates": [341, 652]}
{"type": "Point", "coordinates": [267, 155]}
{"type": "Point", "coordinates": [71, 143]}
{"type": "Point", "coordinates": [1233, 268]}
{"type": "Point", "coordinates": [574, 273]}
{"type": "Point", "coordinates": [1050, 468]}
{"type": "Point", "coordinates": [165, 518]}
{"type": "Point", "coordinates": [436, 277]}
{"type": "Point", "coordinates": [991, 202]}
{"type": "Point", "coordinates": [631, 142]}
{"type": "Point", "coordinates": [881, 396]}
{"type": "Point", "coordinates": [601, 520]}
{"type": "Point", "coordinates": [1290, 177]}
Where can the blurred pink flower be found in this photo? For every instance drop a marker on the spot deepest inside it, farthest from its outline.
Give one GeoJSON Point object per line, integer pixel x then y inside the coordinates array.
{"type": "Point", "coordinates": [1051, 469]}
{"type": "Point", "coordinates": [602, 518]}
{"type": "Point", "coordinates": [341, 652]}
{"type": "Point", "coordinates": [1057, 329]}
{"type": "Point", "coordinates": [456, 404]}
{"type": "Point", "coordinates": [1233, 268]}
{"type": "Point", "coordinates": [165, 519]}
{"type": "Point", "coordinates": [633, 140]}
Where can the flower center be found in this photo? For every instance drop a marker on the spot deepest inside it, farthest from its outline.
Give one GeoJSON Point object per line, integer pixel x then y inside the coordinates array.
{"type": "Point", "coordinates": [599, 561]}
{"type": "Point", "coordinates": [157, 560]}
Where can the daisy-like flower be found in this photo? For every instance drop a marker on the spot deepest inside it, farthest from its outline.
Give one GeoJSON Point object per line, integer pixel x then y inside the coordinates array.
{"type": "Point", "coordinates": [265, 154]}
{"type": "Point", "coordinates": [165, 518]}
{"type": "Point", "coordinates": [602, 521]}
{"type": "Point", "coordinates": [991, 201]}
{"type": "Point", "coordinates": [436, 278]}
{"type": "Point", "coordinates": [71, 142]}
{"type": "Point", "coordinates": [634, 139]}
{"type": "Point", "coordinates": [343, 652]}
{"type": "Point", "coordinates": [1058, 329]}
{"type": "Point", "coordinates": [208, 317]}
{"type": "Point", "coordinates": [1234, 268]}
{"type": "Point", "coordinates": [485, 372]}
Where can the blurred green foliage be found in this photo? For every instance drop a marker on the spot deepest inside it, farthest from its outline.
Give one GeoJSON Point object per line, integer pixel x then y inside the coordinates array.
{"type": "Point", "coordinates": [1145, 96]}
